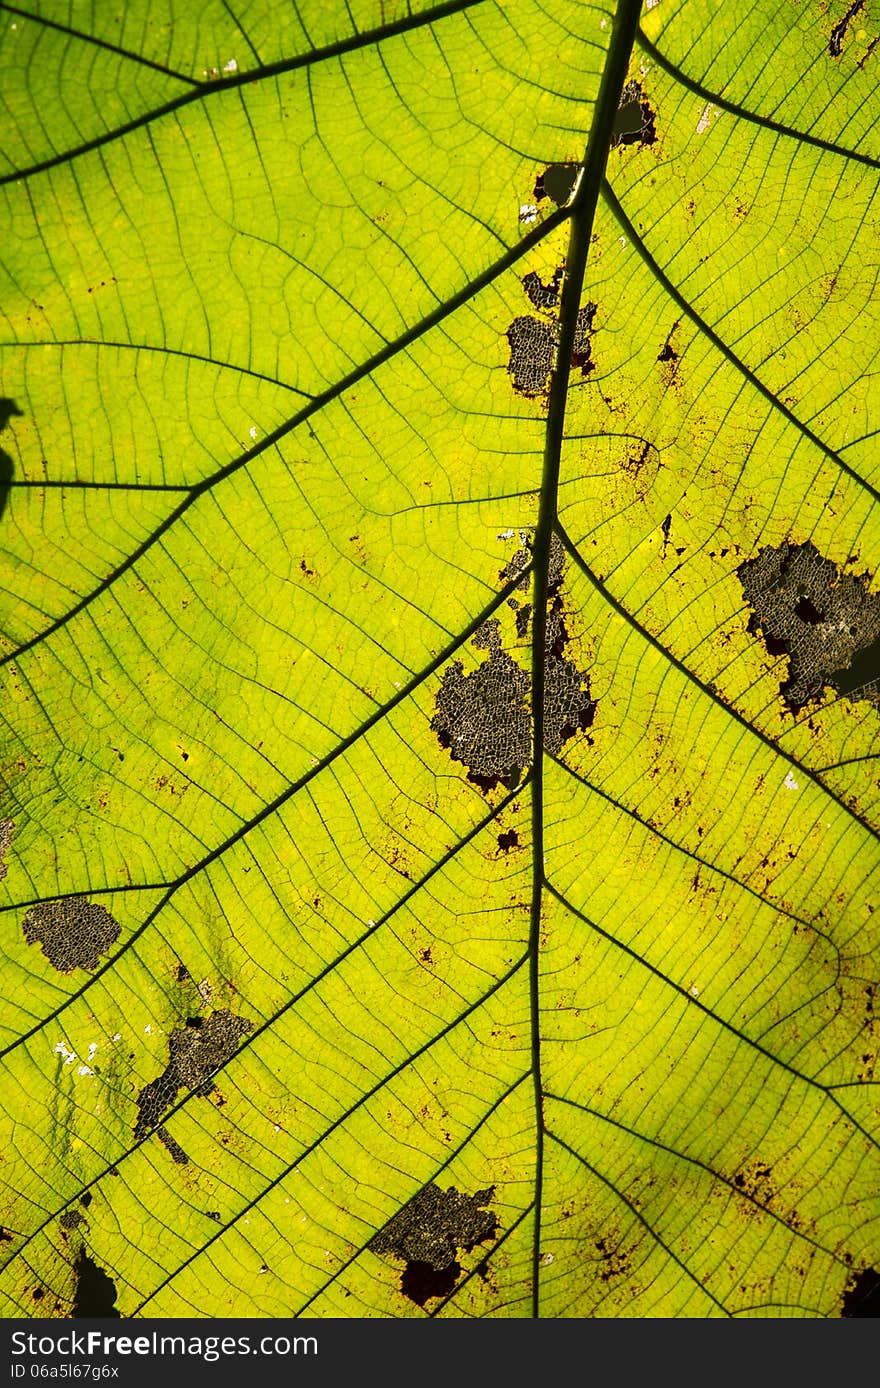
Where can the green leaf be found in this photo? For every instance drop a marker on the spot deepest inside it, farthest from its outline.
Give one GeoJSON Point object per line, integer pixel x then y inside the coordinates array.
{"type": "Point", "coordinates": [439, 660]}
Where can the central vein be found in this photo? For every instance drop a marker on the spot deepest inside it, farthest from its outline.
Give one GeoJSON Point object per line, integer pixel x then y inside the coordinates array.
{"type": "Point", "coordinates": [582, 211]}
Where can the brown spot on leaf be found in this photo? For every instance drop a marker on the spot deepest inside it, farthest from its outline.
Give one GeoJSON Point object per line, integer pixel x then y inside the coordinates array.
{"type": "Point", "coordinates": [755, 1182]}
{"type": "Point", "coordinates": [195, 1054]}
{"type": "Point", "coordinates": [614, 1262]}
{"type": "Point", "coordinates": [827, 623]}
{"type": "Point", "coordinates": [507, 840]}
{"type": "Point", "coordinates": [429, 1232]}
{"type": "Point", "coordinates": [74, 932]}
{"type": "Point", "coordinates": [70, 1219]}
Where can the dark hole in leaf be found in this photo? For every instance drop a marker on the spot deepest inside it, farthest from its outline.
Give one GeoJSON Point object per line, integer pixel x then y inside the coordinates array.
{"type": "Point", "coordinates": [86, 1199]}
{"type": "Point", "coordinates": [419, 1281]}
{"type": "Point", "coordinates": [862, 1294]}
{"type": "Point", "coordinates": [182, 973]}
{"type": "Point", "coordinates": [807, 611]}
{"type": "Point", "coordinates": [826, 622]}
{"type": "Point", "coordinates": [482, 718]}
{"type": "Point", "coordinates": [429, 1231]}
{"type": "Point", "coordinates": [863, 673]}
{"type": "Point", "coordinates": [543, 296]}
{"type": "Point", "coordinates": [581, 357]}
{"type": "Point", "coordinates": [522, 620]}
{"type": "Point", "coordinates": [634, 123]}
{"type": "Point", "coordinates": [38, 1293]}
{"type": "Point", "coordinates": [838, 33]}
{"type": "Point", "coordinates": [508, 839]}
{"type": "Point", "coordinates": [556, 183]}
{"type": "Point", "coordinates": [95, 1292]}
{"type": "Point", "coordinates": [533, 343]}
{"type": "Point", "coordinates": [74, 933]}
{"type": "Point", "coordinates": [532, 353]}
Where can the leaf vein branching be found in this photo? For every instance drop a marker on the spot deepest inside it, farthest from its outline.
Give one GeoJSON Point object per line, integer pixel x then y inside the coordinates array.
{"type": "Point", "coordinates": [802, 136]}
{"type": "Point", "coordinates": [202, 90]}
{"type": "Point", "coordinates": [462, 296]}
{"type": "Point", "coordinates": [274, 805]}
{"type": "Point", "coordinates": [96, 42]}
{"type": "Point", "coordinates": [637, 1214]}
{"type": "Point", "coordinates": [337, 1123]}
{"type": "Point", "coordinates": [776, 907]}
{"type": "Point", "coordinates": [709, 1012]}
{"type": "Point", "coordinates": [438, 1171]}
{"type": "Point", "coordinates": [738, 1191]}
{"type": "Point", "coordinates": [720, 345]}
{"type": "Point", "coordinates": [707, 689]}
{"type": "Point", "coordinates": [249, 1040]}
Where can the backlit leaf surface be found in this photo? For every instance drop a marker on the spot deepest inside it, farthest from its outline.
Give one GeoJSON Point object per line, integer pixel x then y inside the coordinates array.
{"type": "Point", "coordinates": [279, 958]}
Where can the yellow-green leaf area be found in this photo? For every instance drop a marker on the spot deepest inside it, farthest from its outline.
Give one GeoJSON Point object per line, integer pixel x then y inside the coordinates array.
{"type": "Point", "coordinates": [438, 878]}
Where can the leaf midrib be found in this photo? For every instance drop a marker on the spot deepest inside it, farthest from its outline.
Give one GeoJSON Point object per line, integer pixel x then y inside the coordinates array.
{"type": "Point", "coordinates": [581, 211]}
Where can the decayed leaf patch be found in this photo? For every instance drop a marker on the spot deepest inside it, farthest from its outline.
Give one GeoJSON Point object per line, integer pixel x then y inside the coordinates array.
{"type": "Point", "coordinates": [74, 933]}
{"type": "Point", "coordinates": [195, 1053]}
{"type": "Point", "coordinates": [429, 1232]}
{"type": "Point", "coordinates": [7, 829]}
{"type": "Point", "coordinates": [827, 623]}
{"type": "Point", "coordinates": [635, 122]}
{"type": "Point", "coordinates": [533, 341]}
{"type": "Point", "coordinates": [484, 720]}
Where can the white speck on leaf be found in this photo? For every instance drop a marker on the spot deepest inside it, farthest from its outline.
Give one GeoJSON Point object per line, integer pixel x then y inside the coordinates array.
{"type": "Point", "coordinates": [253, 431]}
{"type": "Point", "coordinates": [84, 1070]}
{"type": "Point", "coordinates": [231, 66]}
{"type": "Point", "coordinates": [148, 1030]}
{"type": "Point", "coordinates": [60, 1049]}
{"type": "Point", "coordinates": [791, 782]}
{"type": "Point", "coordinates": [705, 119]}
{"type": "Point", "coordinates": [547, 1259]}
{"type": "Point", "coordinates": [528, 213]}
